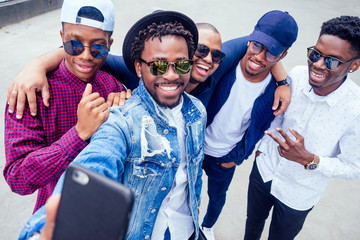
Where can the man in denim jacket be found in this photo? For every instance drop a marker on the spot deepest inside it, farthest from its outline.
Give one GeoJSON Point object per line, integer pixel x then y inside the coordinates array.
{"type": "Point", "coordinates": [154, 144]}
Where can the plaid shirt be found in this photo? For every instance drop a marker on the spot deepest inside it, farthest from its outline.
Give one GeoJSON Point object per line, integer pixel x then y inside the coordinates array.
{"type": "Point", "coordinates": [38, 149]}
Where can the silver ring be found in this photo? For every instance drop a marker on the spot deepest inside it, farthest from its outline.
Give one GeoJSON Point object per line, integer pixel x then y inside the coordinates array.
{"type": "Point", "coordinates": [15, 92]}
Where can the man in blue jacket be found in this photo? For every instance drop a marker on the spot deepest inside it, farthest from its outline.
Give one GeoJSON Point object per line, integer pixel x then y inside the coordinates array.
{"type": "Point", "coordinates": [240, 110]}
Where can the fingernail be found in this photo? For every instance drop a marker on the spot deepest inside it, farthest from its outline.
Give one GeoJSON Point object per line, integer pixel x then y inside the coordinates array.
{"type": "Point", "coordinates": [10, 111]}
{"type": "Point", "coordinates": [33, 114]}
{"type": "Point", "coordinates": [18, 116]}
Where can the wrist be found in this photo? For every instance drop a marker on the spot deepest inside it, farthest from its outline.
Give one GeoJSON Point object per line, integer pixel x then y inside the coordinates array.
{"type": "Point", "coordinates": [285, 82]}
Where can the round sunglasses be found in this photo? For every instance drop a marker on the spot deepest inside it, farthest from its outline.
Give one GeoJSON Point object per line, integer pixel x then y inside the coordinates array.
{"type": "Point", "coordinates": [159, 67]}
{"type": "Point", "coordinates": [256, 48]}
{"type": "Point", "coordinates": [202, 51]}
{"type": "Point", "coordinates": [75, 48]}
{"type": "Point", "coordinates": [331, 63]}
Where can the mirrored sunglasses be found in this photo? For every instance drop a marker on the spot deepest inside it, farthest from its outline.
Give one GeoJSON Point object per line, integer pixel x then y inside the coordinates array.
{"type": "Point", "coordinates": [75, 48]}
{"type": "Point", "coordinates": [202, 51]}
{"type": "Point", "coordinates": [256, 48]}
{"type": "Point", "coordinates": [159, 67]}
{"type": "Point", "coordinates": [331, 63]}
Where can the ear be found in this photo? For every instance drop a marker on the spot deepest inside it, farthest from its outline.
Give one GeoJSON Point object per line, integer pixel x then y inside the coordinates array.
{"type": "Point", "coordinates": [62, 35]}
{"type": "Point", "coordinates": [138, 68]}
{"type": "Point", "coordinates": [111, 40]}
{"type": "Point", "coordinates": [283, 55]}
{"type": "Point", "coordinates": [355, 65]}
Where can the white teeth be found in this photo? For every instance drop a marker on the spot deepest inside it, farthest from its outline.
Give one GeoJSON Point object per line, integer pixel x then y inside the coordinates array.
{"type": "Point", "coordinates": [173, 88]}
{"type": "Point", "coordinates": [317, 75]}
{"type": "Point", "coordinates": [203, 66]}
{"type": "Point", "coordinates": [255, 64]}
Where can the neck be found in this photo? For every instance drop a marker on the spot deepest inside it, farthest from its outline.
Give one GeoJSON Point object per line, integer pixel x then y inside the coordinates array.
{"type": "Point", "coordinates": [191, 87]}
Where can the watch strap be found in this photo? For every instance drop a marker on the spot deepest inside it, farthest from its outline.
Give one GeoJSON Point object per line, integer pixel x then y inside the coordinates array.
{"type": "Point", "coordinates": [285, 81]}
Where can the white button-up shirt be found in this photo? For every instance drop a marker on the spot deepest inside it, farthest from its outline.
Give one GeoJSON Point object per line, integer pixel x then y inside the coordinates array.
{"type": "Point", "coordinates": [330, 126]}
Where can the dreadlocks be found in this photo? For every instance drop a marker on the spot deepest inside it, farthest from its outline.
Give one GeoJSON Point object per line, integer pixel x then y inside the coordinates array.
{"type": "Point", "coordinates": [157, 31]}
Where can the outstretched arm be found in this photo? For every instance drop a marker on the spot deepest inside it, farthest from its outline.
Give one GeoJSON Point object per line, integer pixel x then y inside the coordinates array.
{"type": "Point", "coordinates": [33, 79]}
{"type": "Point", "coordinates": [282, 93]}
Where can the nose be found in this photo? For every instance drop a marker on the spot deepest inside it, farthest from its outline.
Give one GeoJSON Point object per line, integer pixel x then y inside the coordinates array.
{"type": "Point", "coordinates": [170, 74]}
{"type": "Point", "coordinates": [261, 56]}
{"type": "Point", "coordinates": [320, 63]}
{"type": "Point", "coordinates": [86, 55]}
{"type": "Point", "coordinates": [208, 58]}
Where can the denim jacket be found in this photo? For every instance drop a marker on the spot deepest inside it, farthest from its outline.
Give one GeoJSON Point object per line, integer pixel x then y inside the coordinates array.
{"type": "Point", "coordinates": [137, 147]}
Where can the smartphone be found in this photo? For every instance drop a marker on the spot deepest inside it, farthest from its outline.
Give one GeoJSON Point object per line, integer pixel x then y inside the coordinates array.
{"type": "Point", "coordinates": [92, 206]}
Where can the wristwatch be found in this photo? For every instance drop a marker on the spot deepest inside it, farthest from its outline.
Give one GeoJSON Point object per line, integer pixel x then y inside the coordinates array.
{"type": "Point", "coordinates": [287, 81]}
{"type": "Point", "coordinates": [313, 164]}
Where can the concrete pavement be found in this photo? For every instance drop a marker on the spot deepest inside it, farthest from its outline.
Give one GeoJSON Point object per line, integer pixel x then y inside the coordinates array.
{"type": "Point", "coordinates": [337, 214]}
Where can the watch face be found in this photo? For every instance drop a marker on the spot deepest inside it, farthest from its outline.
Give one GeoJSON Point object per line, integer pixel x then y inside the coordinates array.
{"type": "Point", "coordinates": [312, 166]}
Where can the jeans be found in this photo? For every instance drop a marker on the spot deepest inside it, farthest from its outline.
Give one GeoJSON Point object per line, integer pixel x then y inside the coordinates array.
{"type": "Point", "coordinates": [286, 222]}
{"type": "Point", "coordinates": [219, 179]}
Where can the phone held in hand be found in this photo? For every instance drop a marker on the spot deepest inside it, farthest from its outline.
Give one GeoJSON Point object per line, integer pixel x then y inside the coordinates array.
{"type": "Point", "coordinates": [92, 206]}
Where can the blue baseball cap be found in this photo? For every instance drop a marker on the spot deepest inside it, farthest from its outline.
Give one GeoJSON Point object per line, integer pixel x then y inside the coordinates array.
{"type": "Point", "coordinates": [276, 30]}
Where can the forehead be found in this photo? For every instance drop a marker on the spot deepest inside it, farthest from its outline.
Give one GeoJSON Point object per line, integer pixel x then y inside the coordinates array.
{"type": "Point", "coordinates": [83, 31]}
{"type": "Point", "coordinates": [331, 45]}
{"type": "Point", "coordinates": [169, 48]}
{"type": "Point", "coordinates": [210, 38]}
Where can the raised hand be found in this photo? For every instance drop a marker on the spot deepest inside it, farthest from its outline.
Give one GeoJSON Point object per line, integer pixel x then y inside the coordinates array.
{"type": "Point", "coordinates": [290, 149]}
{"type": "Point", "coordinates": [92, 112]}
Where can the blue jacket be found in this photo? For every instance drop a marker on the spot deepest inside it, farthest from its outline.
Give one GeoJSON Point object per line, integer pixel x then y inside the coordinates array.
{"type": "Point", "coordinates": [123, 149]}
{"type": "Point", "coordinates": [261, 115]}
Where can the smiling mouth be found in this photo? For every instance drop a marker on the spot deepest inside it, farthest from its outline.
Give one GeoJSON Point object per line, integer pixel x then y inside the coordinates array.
{"type": "Point", "coordinates": [168, 88]}
{"type": "Point", "coordinates": [203, 67]}
{"type": "Point", "coordinates": [317, 77]}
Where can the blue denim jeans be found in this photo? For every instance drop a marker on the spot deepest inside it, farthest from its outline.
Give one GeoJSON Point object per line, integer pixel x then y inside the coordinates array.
{"type": "Point", "coordinates": [286, 222]}
{"type": "Point", "coordinates": [219, 179]}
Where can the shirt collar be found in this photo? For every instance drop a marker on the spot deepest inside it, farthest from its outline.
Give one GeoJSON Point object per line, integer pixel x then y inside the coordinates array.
{"type": "Point", "coordinates": [332, 98]}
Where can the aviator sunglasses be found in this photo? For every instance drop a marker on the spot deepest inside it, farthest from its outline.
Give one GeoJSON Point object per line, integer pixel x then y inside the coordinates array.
{"type": "Point", "coordinates": [202, 51]}
{"type": "Point", "coordinates": [159, 67]}
{"type": "Point", "coordinates": [75, 48]}
{"type": "Point", "coordinates": [256, 48]}
{"type": "Point", "coordinates": [331, 63]}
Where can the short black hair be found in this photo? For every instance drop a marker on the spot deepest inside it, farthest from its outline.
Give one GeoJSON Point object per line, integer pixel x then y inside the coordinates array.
{"type": "Point", "coordinates": [346, 28]}
{"type": "Point", "coordinates": [207, 26]}
{"type": "Point", "coordinates": [155, 30]}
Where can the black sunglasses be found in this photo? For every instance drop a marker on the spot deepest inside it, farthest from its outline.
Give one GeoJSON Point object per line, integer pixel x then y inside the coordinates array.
{"type": "Point", "coordinates": [202, 51]}
{"type": "Point", "coordinates": [75, 48]}
{"type": "Point", "coordinates": [331, 63]}
{"type": "Point", "coordinates": [159, 67]}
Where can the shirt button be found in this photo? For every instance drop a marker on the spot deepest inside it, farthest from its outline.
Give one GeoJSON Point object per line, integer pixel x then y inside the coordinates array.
{"type": "Point", "coordinates": [163, 188]}
{"type": "Point", "coordinates": [154, 210]}
{"type": "Point", "coordinates": [166, 131]}
{"type": "Point", "coordinates": [173, 160]}
{"type": "Point", "coordinates": [147, 237]}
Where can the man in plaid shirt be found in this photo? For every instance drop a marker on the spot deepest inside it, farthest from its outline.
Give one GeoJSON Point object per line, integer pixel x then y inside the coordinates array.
{"type": "Point", "coordinates": [38, 149]}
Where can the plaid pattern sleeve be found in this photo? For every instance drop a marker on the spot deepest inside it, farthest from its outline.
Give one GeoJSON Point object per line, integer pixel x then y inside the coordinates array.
{"type": "Point", "coordinates": [31, 164]}
{"type": "Point", "coordinates": [38, 149]}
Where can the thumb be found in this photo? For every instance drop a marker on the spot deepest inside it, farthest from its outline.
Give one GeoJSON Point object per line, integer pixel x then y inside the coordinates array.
{"type": "Point", "coordinates": [88, 90]}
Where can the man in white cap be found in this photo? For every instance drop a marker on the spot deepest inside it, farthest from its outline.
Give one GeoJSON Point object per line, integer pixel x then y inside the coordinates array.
{"type": "Point", "coordinates": [38, 149]}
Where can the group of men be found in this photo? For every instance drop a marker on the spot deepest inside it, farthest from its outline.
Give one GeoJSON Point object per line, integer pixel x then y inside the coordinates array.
{"type": "Point", "coordinates": [196, 104]}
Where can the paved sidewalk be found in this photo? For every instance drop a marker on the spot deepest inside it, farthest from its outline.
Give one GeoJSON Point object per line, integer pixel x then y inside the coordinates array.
{"type": "Point", "coordinates": [337, 216]}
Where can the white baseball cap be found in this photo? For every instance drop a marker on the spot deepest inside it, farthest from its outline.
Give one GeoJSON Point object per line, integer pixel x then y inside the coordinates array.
{"type": "Point", "coordinates": [72, 8]}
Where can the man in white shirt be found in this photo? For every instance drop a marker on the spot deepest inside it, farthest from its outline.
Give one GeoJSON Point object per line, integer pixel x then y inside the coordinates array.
{"type": "Point", "coordinates": [315, 139]}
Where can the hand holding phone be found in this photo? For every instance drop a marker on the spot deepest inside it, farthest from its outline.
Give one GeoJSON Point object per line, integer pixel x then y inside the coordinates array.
{"type": "Point", "coordinates": [92, 206]}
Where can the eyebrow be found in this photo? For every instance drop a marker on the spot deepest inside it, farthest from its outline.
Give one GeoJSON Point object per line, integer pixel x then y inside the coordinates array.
{"type": "Point", "coordinates": [78, 37]}
{"type": "Point", "coordinates": [334, 56]}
